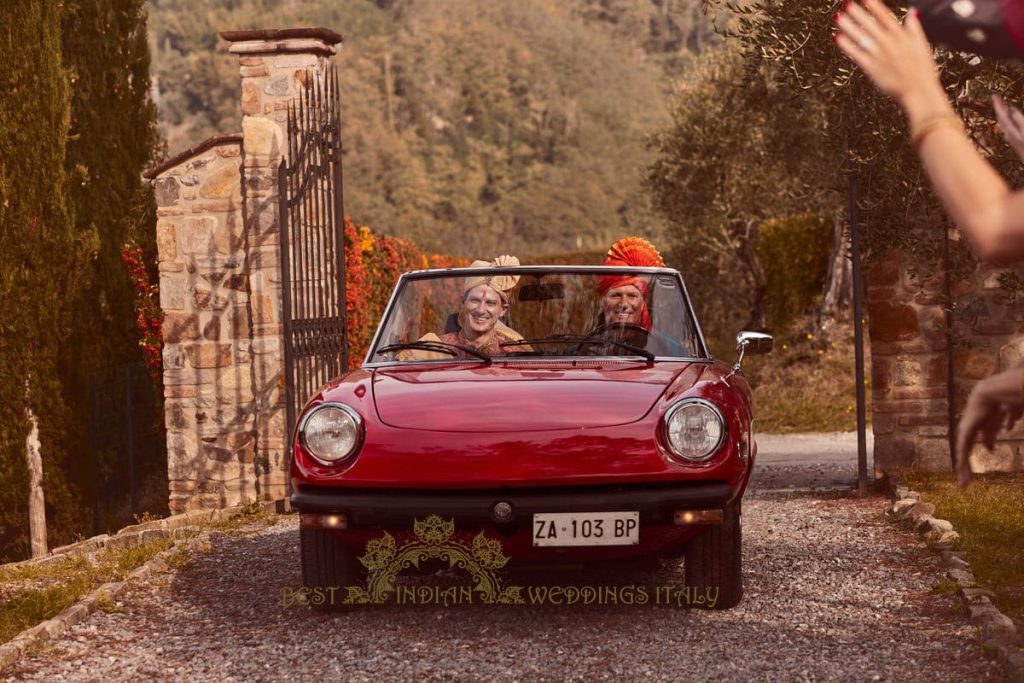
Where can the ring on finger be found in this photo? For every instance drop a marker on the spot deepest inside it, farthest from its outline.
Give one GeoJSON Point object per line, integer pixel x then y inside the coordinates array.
{"type": "Point", "coordinates": [866, 44]}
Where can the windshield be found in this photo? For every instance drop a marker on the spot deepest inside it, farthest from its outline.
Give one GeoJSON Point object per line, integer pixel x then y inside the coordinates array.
{"type": "Point", "coordinates": [487, 314]}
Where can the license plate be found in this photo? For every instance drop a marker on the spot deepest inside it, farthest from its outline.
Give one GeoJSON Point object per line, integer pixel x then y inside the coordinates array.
{"type": "Point", "coordinates": [586, 528]}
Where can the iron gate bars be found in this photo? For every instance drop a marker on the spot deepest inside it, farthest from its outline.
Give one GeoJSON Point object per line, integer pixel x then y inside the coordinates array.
{"type": "Point", "coordinates": [311, 215]}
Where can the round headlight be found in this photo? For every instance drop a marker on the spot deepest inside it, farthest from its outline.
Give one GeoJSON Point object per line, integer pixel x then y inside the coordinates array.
{"type": "Point", "coordinates": [331, 432]}
{"type": "Point", "coordinates": [694, 429]}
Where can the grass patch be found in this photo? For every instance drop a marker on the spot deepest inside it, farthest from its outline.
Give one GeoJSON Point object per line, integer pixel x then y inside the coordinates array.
{"type": "Point", "coordinates": [989, 516]}
{"type": "Point", "coordinates": [35, 594]}
{"type": "Point", "coordinates": [250, 512]}
{"type": "Point", "coordinates": [122, 562]}
{"type": "Point", "coordinates": [107, 604]}
{"type": "Point", "coordinates": [31, 594]}
{"type": "Point", "coordinates": [180, 559]}
{"type": "Point", "coordinates": [33, 607]}
{"type": "Point", "coordinates": [55, 570]}
{"type": "Point", "coordinates": [240, 523]}
{"type": "Point", "coordinates": [807, 383]}
{"type": "Point", "coordinates": [944, 586]}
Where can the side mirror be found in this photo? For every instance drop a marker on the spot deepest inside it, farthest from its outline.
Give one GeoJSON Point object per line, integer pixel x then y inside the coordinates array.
{"type": "Point", "coordinates": [753, 343]}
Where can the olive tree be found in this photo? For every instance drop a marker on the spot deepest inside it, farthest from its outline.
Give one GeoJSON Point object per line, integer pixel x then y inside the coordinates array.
{"type": "Point", "coordinates": [731, 158]}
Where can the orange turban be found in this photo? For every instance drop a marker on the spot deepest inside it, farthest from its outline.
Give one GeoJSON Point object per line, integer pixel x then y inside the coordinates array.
{"type": "Point", "coordinates": [631, 251]}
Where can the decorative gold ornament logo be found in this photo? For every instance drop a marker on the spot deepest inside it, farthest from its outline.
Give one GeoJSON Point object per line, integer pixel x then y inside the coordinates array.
{"type": "Point", "coordinates": [435, 540]}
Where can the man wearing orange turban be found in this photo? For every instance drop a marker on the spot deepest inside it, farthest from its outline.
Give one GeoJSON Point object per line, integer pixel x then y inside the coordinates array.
{"type": "Point", "coordinates": [624, 297]}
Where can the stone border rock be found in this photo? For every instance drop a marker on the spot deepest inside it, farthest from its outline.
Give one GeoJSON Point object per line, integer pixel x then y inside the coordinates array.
{"type": "Point", "coordinates": [998, 632]}
{"type": "Point", "coordinates": [138, 534]}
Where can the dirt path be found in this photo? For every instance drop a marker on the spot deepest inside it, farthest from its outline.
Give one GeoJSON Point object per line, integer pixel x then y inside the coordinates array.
{"type": "Point", "coordinates": [833, 592]}
{"type": "Point", "coordinates": [808, 461]}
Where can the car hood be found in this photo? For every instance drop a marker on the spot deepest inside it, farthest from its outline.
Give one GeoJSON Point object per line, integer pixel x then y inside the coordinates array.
{"type": "Point", "coordinates": [505, 398]}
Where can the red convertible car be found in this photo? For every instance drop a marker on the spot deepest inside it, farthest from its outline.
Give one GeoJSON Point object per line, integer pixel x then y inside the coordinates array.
{"type": "Point", "coordinates": [571, 412]}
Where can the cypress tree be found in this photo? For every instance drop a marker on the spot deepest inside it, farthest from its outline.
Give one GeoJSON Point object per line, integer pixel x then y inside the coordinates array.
{"type": "Point", "coordinates": [112, 138]}
{"type": "Point", "coordinates": [38, 254]}
{"type": "Point", "coordinates": [76, 128]}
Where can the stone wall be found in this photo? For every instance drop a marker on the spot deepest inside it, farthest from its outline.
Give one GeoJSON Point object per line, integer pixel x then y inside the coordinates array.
{"type": "Point", "coordinates": [988, 337]}
{"type": "Point", "coordinates": [220, 286]}
{"type": "Point", "coordinates": [931, 341]}
{"type": "Point", "coordinates": [909, 363]}
{"type": "Point", "coordinates": [204, 292]}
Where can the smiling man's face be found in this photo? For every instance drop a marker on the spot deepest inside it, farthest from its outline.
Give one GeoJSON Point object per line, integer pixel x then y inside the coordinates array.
{"type": "Point", "coordinates": [483, 306]}
{"type": "Point", "coordinates": [622, 305]}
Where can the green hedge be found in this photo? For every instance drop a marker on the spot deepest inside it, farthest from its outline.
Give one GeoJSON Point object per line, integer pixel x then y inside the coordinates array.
{"type": "Point", "coordinates": [794, 253]}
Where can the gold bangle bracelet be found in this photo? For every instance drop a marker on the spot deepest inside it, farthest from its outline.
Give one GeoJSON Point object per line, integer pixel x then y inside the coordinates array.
{"type": "Point", "coordinates": [920, 130]}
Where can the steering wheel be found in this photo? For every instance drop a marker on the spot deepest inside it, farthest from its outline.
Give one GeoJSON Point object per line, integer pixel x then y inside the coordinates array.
{"type": "Point", "coordinates": [619, 331]}
{"type": "Point", "coordinates": [614, 333]}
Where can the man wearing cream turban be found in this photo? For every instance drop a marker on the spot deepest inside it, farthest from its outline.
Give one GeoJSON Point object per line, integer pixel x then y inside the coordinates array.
{"type": "Point", "coordinates": [485, 301]}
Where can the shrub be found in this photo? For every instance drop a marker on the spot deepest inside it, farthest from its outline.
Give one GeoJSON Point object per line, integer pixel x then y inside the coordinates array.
{"type": "Point", "coordinates": [794, 253]}
{"type": "Point", "coordinates": [373, 264]}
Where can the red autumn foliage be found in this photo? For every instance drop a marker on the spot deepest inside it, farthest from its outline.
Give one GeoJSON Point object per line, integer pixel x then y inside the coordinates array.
{"type": "Point", "coordinates": [149, 317]}
{"type": "Point", "coordinates": [373, 264]}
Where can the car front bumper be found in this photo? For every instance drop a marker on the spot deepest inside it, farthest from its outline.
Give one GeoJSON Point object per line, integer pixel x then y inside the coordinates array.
{"type": "Point", "coordinates": [399, 507]}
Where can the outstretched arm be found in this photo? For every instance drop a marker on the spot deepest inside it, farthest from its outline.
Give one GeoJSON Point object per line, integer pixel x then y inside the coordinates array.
{"type": "Point", "coordinates": [898, 59]}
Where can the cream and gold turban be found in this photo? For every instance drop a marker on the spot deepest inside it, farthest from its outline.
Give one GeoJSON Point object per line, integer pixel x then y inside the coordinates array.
{"type": "Point", "coordinates": [502, 284]}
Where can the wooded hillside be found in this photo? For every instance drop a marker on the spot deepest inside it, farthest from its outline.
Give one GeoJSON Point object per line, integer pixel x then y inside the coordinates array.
{"type": "Point", "coordinates": [471, 127]}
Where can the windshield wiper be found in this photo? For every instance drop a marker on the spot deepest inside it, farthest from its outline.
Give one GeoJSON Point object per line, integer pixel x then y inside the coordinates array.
{"type": "Point", "coordinates": [439, 346]}
{"type": "Point", "coordinates": [571, 339]}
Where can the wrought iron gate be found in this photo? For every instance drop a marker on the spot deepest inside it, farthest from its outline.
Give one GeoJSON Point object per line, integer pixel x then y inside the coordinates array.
{"type": "Point", "coordinates": [312, 244]}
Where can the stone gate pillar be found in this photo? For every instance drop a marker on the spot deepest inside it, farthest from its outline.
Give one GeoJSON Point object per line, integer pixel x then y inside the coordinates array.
{"type": "Point", "coordinates": [220, 286]}
{"type": "Point", "coordinates": [909, 366]}
{"type": "Point", "coordinates": [275, 67]}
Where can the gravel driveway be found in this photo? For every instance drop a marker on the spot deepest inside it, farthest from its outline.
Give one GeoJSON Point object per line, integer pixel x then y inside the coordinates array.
{"type": "Point", "coordinates": [833, 592]}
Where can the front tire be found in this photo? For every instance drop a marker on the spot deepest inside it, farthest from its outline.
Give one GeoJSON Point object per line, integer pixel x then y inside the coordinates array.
{"type": "Point", "coordinates": [714, 560]}
{"type": "Point", "coordinates": [328, 567]}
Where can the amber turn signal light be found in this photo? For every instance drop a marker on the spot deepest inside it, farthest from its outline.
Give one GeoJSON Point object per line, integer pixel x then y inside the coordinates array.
{"type": "Point", "coordinates": [317, 521]}
{"type": "Point", "coordinates": [681, 517]}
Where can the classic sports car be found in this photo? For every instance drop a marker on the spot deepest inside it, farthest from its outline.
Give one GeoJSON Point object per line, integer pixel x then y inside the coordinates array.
{"type": "Point", "coordinates": [571, 412]}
